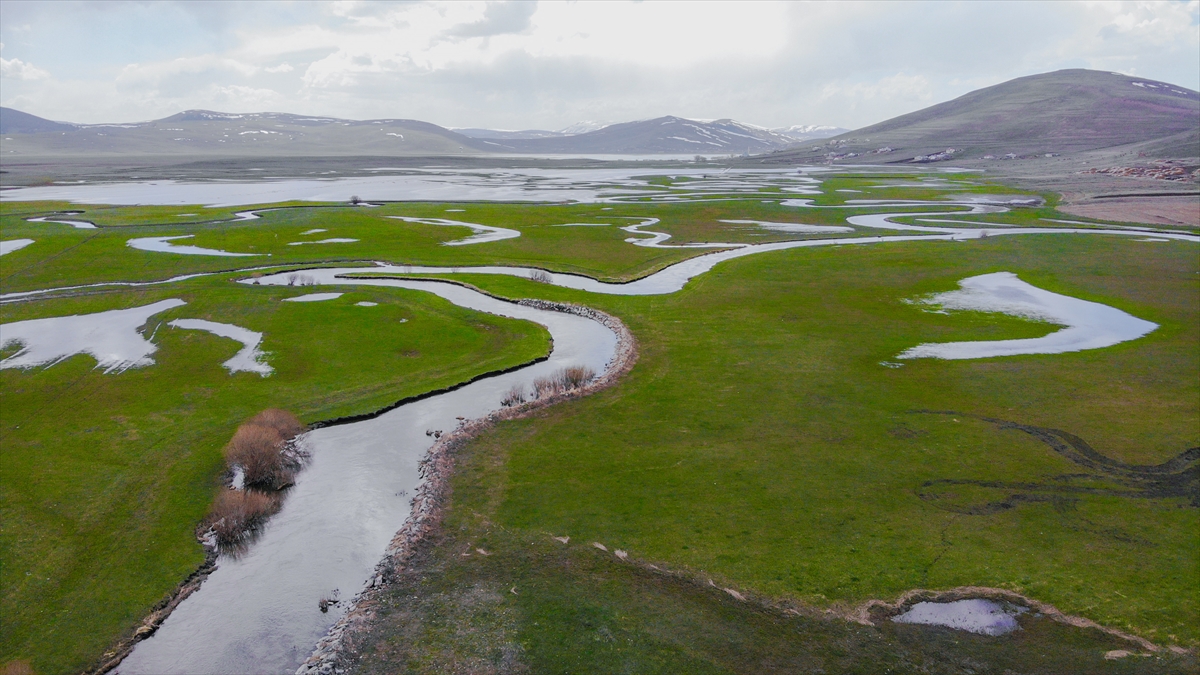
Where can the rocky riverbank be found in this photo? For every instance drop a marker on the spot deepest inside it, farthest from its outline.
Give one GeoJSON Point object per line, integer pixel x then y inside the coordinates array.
{"type": "Point", "coordinates": [436, 469]}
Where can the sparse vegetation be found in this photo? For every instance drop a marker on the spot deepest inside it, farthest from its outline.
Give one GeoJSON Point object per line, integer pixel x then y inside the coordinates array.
{"type": "Point", "coordinates": [563, 380]}
{"type": "Point", "coordinates": [540, 276]}
{"type": "Point", "coordinates": [514, 396]}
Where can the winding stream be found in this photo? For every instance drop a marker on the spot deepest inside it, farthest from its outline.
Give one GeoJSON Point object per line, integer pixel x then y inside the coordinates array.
{"type": "Point", "coordinates": [258, 613]}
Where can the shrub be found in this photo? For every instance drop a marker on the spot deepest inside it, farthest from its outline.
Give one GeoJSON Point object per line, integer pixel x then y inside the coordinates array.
{"type": "Point", "coordinates": [575, 377]}
{"type": "Point", "coordinates": [237, 513]}
{"type": "Point", "coordinates": [288, 425]}
{"type": "Point", "coordinates": [258, 449]}
{"type": "Point", "coordinates": [539, 276]}
{"type": "Point", "coordinates": [545, 386]}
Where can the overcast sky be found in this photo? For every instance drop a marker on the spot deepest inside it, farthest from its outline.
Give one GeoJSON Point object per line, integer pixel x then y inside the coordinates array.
{"type": "Point", "coordinates": [524, 65]}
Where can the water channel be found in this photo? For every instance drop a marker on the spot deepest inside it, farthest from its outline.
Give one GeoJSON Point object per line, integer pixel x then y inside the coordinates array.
{"type": "Point", "coordinates": [258, 612]}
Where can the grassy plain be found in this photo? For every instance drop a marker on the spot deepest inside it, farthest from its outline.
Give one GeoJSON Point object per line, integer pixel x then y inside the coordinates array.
{"type": "Point", "coordinates": [62, 255]}
{"type": "Point", "coordinates": [104, 477]}
{"type": "Point", "coordinates": [760, 443]}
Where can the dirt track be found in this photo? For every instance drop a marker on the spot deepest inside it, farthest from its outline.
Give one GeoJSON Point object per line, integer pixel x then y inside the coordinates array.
{"type": "Point", "coordinates": [1183, 210]}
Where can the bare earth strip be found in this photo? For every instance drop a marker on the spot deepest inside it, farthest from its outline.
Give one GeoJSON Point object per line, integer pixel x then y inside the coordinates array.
{"type": "Point", "coordinates": [1182, 210]}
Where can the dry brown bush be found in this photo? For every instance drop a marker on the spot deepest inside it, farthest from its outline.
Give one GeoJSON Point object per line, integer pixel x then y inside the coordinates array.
{"type": "Point", "coordinates": [514, 396]}
{"type": "Point", "coordinates": [575, 377]}
{"type": "Point", "coordinates": [545, 386]}
{"type": "Point", "coordinates": [288, 425]}
{"type": "Point", "coordinates": [562, 380]}
{"type": "Point", "coordinates": [236, 513]}
{"type": "Point", "coordinates": [258, 450]}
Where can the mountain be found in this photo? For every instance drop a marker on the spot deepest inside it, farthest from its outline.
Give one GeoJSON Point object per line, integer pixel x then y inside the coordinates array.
{"type": "Point", "coordinates": [582, 127]}
{"type": "Point", "coordinates": [492, 134]}
{"type": "Point", "coordinates": [1059, 113]}
{"type": "Point", "coordinates": [205, 133]}
{"type": "Point", "coordinates": [808, 132]}
{"type": "Point", "coordinates": [17, 122]}
{"type": "Point", "coordinates": [674, 135]}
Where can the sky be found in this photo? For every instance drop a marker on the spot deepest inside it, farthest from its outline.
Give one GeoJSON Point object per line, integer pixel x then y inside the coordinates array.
{"type": "Point", "coordinates": [547, 65]}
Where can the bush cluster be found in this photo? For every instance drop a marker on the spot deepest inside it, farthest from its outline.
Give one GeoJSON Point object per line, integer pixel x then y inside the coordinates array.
{"type": "Point", "coordinates": [264, 451]}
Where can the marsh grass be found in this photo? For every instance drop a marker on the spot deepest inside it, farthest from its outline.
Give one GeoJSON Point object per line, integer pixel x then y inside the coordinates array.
{"type": "Point", "coordinates": [514, 396]}
{"type": "Point", "coordinates": [563, 380]}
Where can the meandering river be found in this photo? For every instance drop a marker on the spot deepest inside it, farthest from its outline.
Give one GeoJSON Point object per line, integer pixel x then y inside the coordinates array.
{"type": "Point", "coordinates": [258, 612]}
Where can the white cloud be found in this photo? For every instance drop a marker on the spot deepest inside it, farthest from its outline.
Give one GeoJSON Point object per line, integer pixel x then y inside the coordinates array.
{"type": "Point", "coordinates": [550, 64]}
{"type": "Point", "coordinates": [17, 69]}
{"type": "Point", "coordinates": [147, 73]}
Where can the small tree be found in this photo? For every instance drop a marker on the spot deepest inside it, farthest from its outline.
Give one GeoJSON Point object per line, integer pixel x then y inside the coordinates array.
{"type": "Point", "coordinates": [355, 200]}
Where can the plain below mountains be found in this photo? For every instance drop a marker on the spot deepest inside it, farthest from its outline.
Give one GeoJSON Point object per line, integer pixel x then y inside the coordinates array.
{"type": "Point", "coordinates": [202, 133]}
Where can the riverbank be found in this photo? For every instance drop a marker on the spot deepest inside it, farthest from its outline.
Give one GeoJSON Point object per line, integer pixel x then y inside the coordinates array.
{"type": "Point", "coordinates": [437, 469]}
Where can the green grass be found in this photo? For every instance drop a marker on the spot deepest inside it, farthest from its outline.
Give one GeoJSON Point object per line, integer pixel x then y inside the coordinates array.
{"type": "Point", "coordinates": [62, 255]}
{"type": "Point", "coordinates": [556, 608]}
{"type": "Point", "coordinates": [104, 477]}
{"type": "Point", "coordinates": [760, 442]}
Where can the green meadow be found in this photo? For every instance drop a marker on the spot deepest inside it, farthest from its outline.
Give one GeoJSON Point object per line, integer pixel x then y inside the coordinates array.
{"type": "Point", "coordinates": [106, 476]}
{"type": "Point", "coordinates": [762, 441]}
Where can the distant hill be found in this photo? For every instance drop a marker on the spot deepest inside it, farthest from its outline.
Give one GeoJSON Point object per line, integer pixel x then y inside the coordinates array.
{"type": "Point", "coordinates": [504, 134]}
{"type": "Point", "coordinates": [673, 135]}
{"type": "Point", "coordinates": [1063, 112]}
{"type": "Point", "coordinates": [201, 133]}
{"type": "Point", "coordinates": [17, 122]}
{"type": "Point", "coordinates": [808, 132]}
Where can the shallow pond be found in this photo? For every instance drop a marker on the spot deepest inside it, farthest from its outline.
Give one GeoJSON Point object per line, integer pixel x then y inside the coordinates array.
{"type": "Point", "coordinates": [111, 337]}
{"type": "Point", "coordinates": [1089, 325]}
{"type": "Point", "coordinates": [975, 615]}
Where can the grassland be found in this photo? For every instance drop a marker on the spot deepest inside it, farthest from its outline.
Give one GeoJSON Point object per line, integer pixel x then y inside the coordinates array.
{"type": "Point", "coordinates": [761, 444]}
{"type": "Point", "coordinates": [62, 255]}
{"type": "Point", "coordinates": [759, 441]}
{"type": "Point", "coordinates": [104, 477]}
